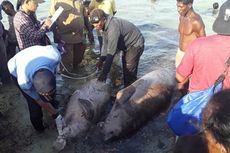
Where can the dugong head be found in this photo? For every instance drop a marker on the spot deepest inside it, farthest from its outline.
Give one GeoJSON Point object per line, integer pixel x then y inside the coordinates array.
{"type": "Point", "coordinates": [115, 123]}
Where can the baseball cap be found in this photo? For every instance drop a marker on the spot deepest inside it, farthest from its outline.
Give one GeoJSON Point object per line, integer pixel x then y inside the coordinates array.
{"type": "Point", "coordinates": [96, 15]}
{"type": "Point", "coordinates": [222, 22]}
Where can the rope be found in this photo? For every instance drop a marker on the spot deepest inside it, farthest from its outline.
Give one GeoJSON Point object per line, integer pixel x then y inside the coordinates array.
{"type": "Point", "coordinates": [78, 77]}
{"type": "Point", "coordinates": [67, 69]}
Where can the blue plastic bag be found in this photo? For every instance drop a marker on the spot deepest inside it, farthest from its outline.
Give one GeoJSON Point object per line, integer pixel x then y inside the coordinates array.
{"type": "Point", "coordinates": [185, 118]}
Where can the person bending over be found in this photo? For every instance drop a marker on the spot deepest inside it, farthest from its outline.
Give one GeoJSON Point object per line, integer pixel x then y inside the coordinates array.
{"type": "Point", "coordinates": [33, 70]}
{"type": "Point", "coordinates": [118, 34]}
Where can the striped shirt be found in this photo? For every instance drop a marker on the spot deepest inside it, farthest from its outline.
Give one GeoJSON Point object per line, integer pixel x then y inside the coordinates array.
{"type": "Point", "coordinates": [28, 30]}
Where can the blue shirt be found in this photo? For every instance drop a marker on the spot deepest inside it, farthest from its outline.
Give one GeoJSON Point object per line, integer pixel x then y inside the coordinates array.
{"type": "Point", "coordinates": [26, 62]}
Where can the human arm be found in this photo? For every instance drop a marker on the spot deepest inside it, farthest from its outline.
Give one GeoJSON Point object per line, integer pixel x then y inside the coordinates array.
{"type": "Point", "coordinates": [181, 81]}
{"type": "Point", "coordinates": [47, 106]}
{"type": "Point", "coordinates": [109, 48]}
{"type": "Point", "coordinates": [30, 91]}
{"type": "Point", "coordinates": [185, 69]}
{"type": "Point", "coordinates": [46, 24]}
{"type": "Point", "coordinates": [180, 78]}
{"type": "Point", "coordinates": [29, 29]}
{"type": "Point", "coordinates": [88, 26]}
{"type": "Point", "coordinates": [106, 68]}
{"type": "Point", "coordinates": [202, 32]}
{"type": "Point", "coordinates": [199, 27]}
{"type": "Point", "coordinates": [111, 38]}
{"type": "Point", "coordinates": [59, 120]}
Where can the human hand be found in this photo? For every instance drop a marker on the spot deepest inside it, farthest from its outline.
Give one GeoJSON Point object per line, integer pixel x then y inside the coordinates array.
{"type": "Point", "coordinates": [102, 77]}
{"type": "Point", "coordinates": [99, 65]}
{"type": "Point", "coordinates": [47, 23]}
{"type": "Point", "coordinates": [60, 46]}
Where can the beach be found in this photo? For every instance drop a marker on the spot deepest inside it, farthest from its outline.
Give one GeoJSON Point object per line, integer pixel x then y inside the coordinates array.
{"type": "Point", "coordinates": [158, 21]}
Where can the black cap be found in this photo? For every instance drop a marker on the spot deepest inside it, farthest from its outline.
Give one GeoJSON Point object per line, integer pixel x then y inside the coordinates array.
{"type": "Point", "coordinates": [96, 15]}
{"type": "Point", "coordinates": [222, 22]}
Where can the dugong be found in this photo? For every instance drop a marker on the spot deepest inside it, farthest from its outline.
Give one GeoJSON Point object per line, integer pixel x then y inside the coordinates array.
{"type": "Point", "coordinates": [139, 102]}
{"type": "Point", "coordinates": [84, 108]}
{"type": "Point", "coordinates": [196, 143]}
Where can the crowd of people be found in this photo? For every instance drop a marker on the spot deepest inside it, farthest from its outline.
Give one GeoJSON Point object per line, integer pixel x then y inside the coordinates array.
{"type": "Point", "coordinates": [200, 59]}
{"type": "Point", "coordinates": [203, 61]}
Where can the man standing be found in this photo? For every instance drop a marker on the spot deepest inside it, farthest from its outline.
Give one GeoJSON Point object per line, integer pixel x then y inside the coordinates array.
{"type": "Point", "coordinates": [118, 34]}
{"type": "Point", "coordinates": [108, 6]}
{"type": "Point", "coordinates": [190, 27]}
{"type": "Point", "coordinates": [29, 31]}
{"type": "Point", "coordinates": [12, 43]}
{"type": "Point", "coordinates": [205, 57]}
{"type": "Point", "coordinates": [33, 70]}
{"type": "Point", "coordinates": [70, 26]}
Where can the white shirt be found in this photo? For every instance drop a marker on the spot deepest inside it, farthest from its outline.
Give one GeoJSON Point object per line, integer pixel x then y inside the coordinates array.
{"type": "Point", "coordinates": [26, 62]}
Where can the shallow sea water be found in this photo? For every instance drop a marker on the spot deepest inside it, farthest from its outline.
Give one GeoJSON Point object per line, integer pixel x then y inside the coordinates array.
{"type": "Point", "coordinates": [158, 21]}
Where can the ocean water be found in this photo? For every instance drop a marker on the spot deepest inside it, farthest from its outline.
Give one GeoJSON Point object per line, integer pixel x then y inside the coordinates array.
{"type": "Point", "coordinates": [158, 21]}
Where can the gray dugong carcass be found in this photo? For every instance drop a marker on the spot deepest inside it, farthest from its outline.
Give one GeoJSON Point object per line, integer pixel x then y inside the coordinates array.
{"type": "Point", "coordinates": [139, 102]}
{"type": "Point", "coordinates": [84, 108]}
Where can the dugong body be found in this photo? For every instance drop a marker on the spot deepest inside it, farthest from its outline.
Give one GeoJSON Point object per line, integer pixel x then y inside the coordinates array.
{"type": "Point", "coordinates": [85, 107]}
{"type": "Point", "coordinates": [139, 102]}
{"type": "Point", "coordinates": [192, 144]}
